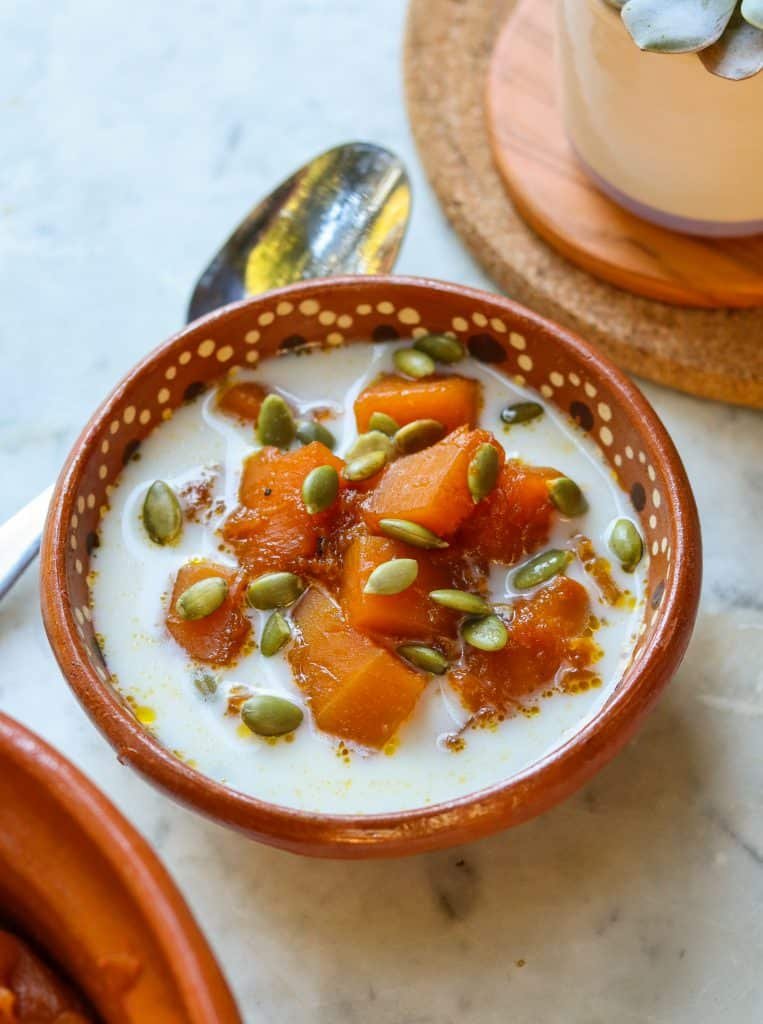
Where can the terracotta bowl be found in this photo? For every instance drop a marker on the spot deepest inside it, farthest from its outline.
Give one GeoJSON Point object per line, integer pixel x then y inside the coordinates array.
{"type": "Point", "coordinates": [565, 369]}
{"type": "Point", "coordinates": [79, 881]}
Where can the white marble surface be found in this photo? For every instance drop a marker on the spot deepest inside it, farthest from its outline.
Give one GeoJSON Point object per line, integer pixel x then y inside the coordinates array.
{"type": "Point", "coordinates": [133, 137]}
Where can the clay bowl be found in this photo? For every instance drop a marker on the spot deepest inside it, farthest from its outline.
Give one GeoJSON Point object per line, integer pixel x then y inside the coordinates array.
{"type": "Point", "coordinates": [564, 368]}
{"type": "Point", "coordinates": [78, 880]}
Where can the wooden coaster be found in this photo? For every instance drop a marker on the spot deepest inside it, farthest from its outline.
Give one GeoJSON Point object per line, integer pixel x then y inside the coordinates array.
{"type": "Point", "coordinates": [713, 353]}
{"type": "Point", "coordinates": [552, 192]}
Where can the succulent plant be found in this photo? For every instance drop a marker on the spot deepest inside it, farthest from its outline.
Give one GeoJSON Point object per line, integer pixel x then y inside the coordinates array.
{"type": "Point", "coordinates": [727, 35]}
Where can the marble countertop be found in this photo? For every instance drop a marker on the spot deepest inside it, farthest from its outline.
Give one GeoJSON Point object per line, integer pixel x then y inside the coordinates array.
{"type": "Point", "coordinates": [131, 144]}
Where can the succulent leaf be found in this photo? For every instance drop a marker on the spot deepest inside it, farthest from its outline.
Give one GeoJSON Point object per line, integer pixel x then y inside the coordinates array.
{"type": "Point", "coordinates": [738, 53]}
{"type": "Point", "coordinates": [752, 11]}
{"type": "Point", "coordinates": [680, 26]}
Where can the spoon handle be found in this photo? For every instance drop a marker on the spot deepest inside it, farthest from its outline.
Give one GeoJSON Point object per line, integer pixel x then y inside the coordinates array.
{"type": "Point", "coordinates": [20, 539]}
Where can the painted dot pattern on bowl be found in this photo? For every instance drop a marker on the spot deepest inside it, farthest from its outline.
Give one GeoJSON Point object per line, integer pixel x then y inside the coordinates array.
{"type": "Point", "coordinates": [270, 327]}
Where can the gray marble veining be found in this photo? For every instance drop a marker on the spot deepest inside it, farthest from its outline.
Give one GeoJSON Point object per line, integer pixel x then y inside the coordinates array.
{"type": "Point", "coordinates": [133, 138]}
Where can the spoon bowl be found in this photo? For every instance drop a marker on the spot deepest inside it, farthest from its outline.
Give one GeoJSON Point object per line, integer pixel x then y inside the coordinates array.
{"type": "Point", "coordinates": [344, 212]}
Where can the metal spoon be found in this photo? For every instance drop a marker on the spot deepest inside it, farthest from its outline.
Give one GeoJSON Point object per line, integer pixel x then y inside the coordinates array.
{"type": "Point", "coordinates": [344, 212]}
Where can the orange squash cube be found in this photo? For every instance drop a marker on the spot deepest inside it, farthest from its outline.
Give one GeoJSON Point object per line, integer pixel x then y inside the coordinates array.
{"type": "Point", "coordinates": [430, 487]}
{"type": "Point", "coordinates": [454, 401]}
{"type": "Point", "coordinates": [272, 529]}
{"type": "Point", "coordinates": [357, 690]}
{"type": "Point", "coordinates": [242, 400]}
{"type": "Point", "coordinates": [410, 613]}
{"type": "Point", "coordinates": [540, 633]}
{"type": "Point", "coordinates": [515, 519]}
{"type": "Point", "coordinates": [219, 637]}
{"type": "Point", "coordinates": [374, 701]}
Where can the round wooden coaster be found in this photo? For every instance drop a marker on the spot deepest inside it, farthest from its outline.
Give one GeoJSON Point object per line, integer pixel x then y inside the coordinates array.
{"type": "Point", "coordinates": [714, 353]}
{"type": "Point", "coordinates": [556, 197]}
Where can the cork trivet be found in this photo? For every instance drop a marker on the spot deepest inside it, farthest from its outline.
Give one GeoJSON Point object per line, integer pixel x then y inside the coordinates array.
{"type": "Point", "coordinates": [714, 353]}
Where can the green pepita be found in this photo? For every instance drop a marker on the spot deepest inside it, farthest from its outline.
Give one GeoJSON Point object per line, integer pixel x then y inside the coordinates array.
{"type": "Point", "coordinates": [541, 568]}
{"type": "Point", "coordinates": [486, 634]}
{"type": "Point", "coordinates": [162, 516]}
{"type": "Point", "coordinates": [275, 634]}
{"type": "Point", "coordinates": [371, 441]}
{"type": "Point", "coordinates": [461, 601]}
{"type": "Point", "coordinates": [392, 577]}
{"type": "Point", "coordinates": [202, 599]}
{"type": "Point", "coordinates": [482, 475]}
{"type": "Point", "coordinates": [440, 347]}
{"type": "Point", "coordinates": [206, 682]}
{"type": "Point", "coordinates": [521, 412]}
{"type": "Point", "coordinates": [274, 590]}
{"type": "Point", "coordinates": [416, 436]}
{"type": "Point", "coordinates": [428, 659]}
{"type": "Point", "coordinates": [268, 715]}
{"type": "Point", "coordinates": [381, 421]}
{"type": "Point", "coordinates": [310, 430]}
{"type": "Point", "coordinates": [365, 466]}
{"type": "Point", "coordinates": [567, 496]}
{"type": "Point", "coordinates": [411, 533]}
{"type": "Point", "coordinates": [413, 363]}
{"type": "Point", "coordinates": [275, 423]}
{"type": "Point", "coordinates": [625, 541]}
{"type": "Point", "coordinates": [320, 488]}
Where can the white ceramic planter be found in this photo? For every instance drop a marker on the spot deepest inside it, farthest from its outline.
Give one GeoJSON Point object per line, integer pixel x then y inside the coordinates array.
{"type": "Point", "coordinates": [658, 133]}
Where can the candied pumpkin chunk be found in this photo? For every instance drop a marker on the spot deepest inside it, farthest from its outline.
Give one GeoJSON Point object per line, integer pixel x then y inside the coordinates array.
{"type": "Point", "coordinates": [542, 635]}
{"type": "Point", "coordinates": [358, 691]}
{"type": "Point", "coordinates": [374, 702]}
{"type": "Point", "coordinates": [410, 613]}
{"type": "Point", "coordinates": [272, 529]}
{"type": "Point", "coordinates": [430, 487]}
{"type": "Point", "coordinates": [454, 401]}
{"type": "Point", "coordinates": [33, 993]}
{"type": "Point", "coordinates": [242, 400]}
{"type": "Point", "coordinates": [219, 637]}
{"type": "Point", "coordinates": [515, 519]}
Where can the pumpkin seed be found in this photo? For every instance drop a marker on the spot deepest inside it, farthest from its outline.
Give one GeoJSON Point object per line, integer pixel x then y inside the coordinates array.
{"type": "Point", "coordinates": [206, 682]}
{"type": "Point", "coordinates": [461, 601]}
{"type": "Point", "coordinates": [274, 590]}
{"type": "Point", "coordinates": [381, 421]}
{"type": "Point", "coordinates": [275, 423]}
{"type": "Point", "coordinates": [162, 516]}
{"type": "Point", "coordinates": [371, 441]}
{"type": "Point", "coordinates": [482, 475]}
{"type": "Point", "coordinates": [440, 347]}
{"type": "Point", "coordinates": [392, 577]}
{"type": "Point", "coordinates": [413, 363]}
{"type": "Point", "coordinates": [521, 412]}
{"type": "Point", "coordinates": [541, 568]}
{"type": "Point", "coordinates": [428, 659]}
{"type": "Point", "coordinates": [202, 598]}
{"type": "Point", "coordinates": [275, 634]}
{"type": "Point", "coordinates": [320, 488]}
{"type": "Point", "coordinates": [486, 634]}
{"type": "Point", "coordinates": [626, 542]}
{"type": "Point", "coordinates": [366, 466]}
{"type": "Point", "coordinates": [268, 715]}
{"type": "Point", "coordinates": [411, 533]}
{"type": "Point", "coordinates": [416, 436]}
{"type": "Point", "coordinates": [310, 430]}
{"type": "Point", "coordinates": [567, 496]}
